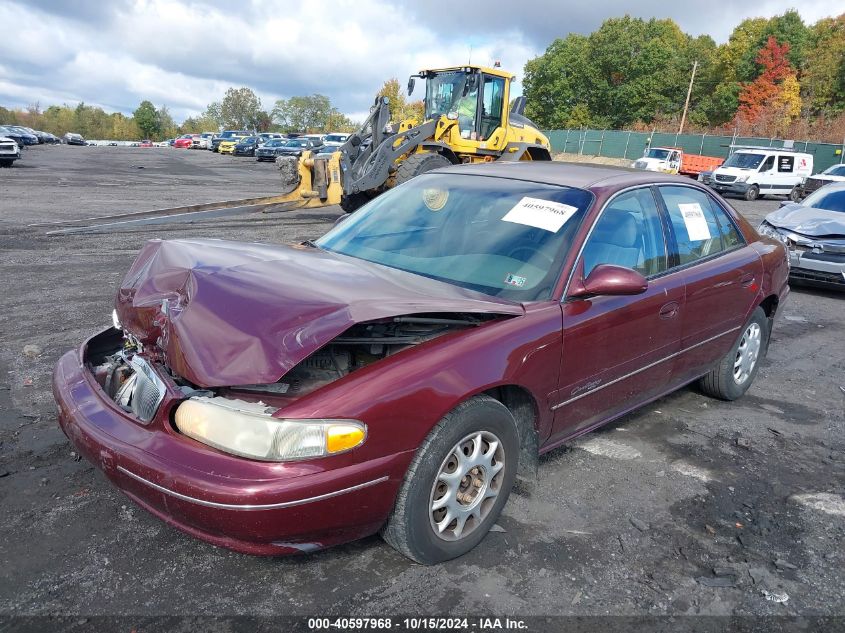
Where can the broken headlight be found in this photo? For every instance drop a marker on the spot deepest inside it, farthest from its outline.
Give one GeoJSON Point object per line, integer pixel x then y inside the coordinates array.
{"type": "Point", "coordinates": [769, 231]}
{"type": "Point", "coordinates": [248, 429]}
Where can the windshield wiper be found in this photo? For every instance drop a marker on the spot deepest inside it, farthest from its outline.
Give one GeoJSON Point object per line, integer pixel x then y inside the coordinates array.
{"type": "Point", "coordinates": [310, 243]}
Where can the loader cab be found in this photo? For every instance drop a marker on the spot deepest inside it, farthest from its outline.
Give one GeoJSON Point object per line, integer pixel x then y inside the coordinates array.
{"type": "Point", "coordinates": [474, 96]}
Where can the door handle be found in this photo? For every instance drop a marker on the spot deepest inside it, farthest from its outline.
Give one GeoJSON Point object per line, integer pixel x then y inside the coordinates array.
{"type": "Point", "coordinates": [747, 280]}
{"type": "Point", "coordinates": [669, 310]}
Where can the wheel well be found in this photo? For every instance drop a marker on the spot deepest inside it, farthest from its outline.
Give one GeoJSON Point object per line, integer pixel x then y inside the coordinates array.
{"type": "Point", "coordinates": [523, 408]}
{"type": "Point", "coordinates": [770, 305]}
{"type": "Point", "coordinates": [538, 153]}
{"type": "Point", "coordinates": [443, 150]}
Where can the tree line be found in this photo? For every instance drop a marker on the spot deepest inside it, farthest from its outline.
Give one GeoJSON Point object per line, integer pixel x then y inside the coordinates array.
{"type": "Point", "coordinates": [773, 77]}
{"type": "Point", "coordinates": [240, 108]}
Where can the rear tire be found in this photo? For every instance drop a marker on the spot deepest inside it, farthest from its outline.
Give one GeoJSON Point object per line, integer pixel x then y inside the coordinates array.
{"type": "Point", "coordinates": [795, 194]}
{"type": "Point", "coordinates": [419, 163]}
{"type": "Point", "coordinates": [6, 163]}
{"type": "Point", "coordinates": [752, 193]}
{"type": "Point", "coordinates": [734, 374]}
{"type": "Point", "coordinates": [465, 468]}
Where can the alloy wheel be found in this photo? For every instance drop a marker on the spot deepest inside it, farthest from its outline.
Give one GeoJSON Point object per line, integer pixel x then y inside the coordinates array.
{"type": "Point", "coordinates": [466, 485]}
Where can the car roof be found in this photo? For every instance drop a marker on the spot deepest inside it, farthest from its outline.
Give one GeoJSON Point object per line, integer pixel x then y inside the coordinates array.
{"type": "Point", "coordinates": [580, 175]}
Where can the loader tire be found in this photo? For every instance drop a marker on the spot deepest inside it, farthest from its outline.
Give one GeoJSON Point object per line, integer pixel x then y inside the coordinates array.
{"type": "Point", "coordinates": [420, 163]}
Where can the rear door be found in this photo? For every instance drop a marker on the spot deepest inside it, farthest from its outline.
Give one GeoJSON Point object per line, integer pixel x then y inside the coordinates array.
{"type": "Point", "coordinates": [722, 275]}
{"type": "Point", "coordinates": [618, 350]}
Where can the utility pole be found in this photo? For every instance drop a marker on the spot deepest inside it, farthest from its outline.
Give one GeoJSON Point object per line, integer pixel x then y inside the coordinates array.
{"type": "Point", "coordinates": [686, 104]}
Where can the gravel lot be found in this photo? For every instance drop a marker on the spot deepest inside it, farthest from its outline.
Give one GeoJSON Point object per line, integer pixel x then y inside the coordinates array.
{"type": "Point", "coordinates": [631, 520]}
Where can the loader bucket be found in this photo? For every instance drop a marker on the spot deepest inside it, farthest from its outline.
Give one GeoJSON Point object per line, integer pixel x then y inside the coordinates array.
{"type": "Point", "coordinates": [310, 182]}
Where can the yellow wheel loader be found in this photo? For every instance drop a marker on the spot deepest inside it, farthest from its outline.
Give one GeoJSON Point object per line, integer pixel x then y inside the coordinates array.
{"type": "Point", "coordinates": [466, 121]}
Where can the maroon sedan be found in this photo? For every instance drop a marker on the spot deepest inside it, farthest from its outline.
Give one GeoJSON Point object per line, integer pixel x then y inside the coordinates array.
{"type": "Point", "coordinates": [396, 375]}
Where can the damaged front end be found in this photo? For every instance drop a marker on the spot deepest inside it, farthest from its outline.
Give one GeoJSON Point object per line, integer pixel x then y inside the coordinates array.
{"type": "Point", "coordinates": [138, 381]}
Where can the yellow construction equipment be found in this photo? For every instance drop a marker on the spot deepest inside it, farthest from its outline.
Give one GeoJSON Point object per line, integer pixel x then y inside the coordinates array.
{"type": "Point", "coordinates": [466, 121]}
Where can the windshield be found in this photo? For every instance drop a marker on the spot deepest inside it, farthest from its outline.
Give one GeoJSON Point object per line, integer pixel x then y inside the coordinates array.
{"type": "Point", "coordinates": [273, 143]}
{"type": "Point", "coordinates": [335, 138]}
{"type": "Point", "coordinates": [744, 160]}
{"type": "Point", "coordinates": [442, 90]}
{"type": "Point", "coordinates": [836, 170]}
{"type": "Point", "coordinates": [296, 144]}
{"type": "Point", "coordinates": [828, 200]}
{"type": "Point", "coordinates": [661, 154]}
{"type": "Point", "coordinates": [505, 238]}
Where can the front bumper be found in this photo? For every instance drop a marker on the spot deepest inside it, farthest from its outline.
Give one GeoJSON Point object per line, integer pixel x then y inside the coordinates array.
{"type": "Point", "coordinates": [826, 270]}
{"type": "Point", "coordinates": [736, 188]}
{"type": "Point", "coordinates": [223, 149]}
{"type": "Point", "coordinates": [253, 507]}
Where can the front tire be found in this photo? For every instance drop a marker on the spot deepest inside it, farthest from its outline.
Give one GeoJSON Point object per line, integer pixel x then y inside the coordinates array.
{"type": "Point", "coordinates": [734, 374]}
{"type": "Point", "coordinates": [795, 194]}
{"type": "Point", "coordinates": [752, 193]}
{"type": "Point", "coordinates": [419, 163]}
{"type": "Point", "coordinates": [457, 484]}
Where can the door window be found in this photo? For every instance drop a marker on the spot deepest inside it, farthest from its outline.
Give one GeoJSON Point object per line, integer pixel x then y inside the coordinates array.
{"type": "Point", "coordinates": [492, 98]}
{"type": "Point", "coordinates": [698, 233]}
{"type": "Point", "coordinates": [768, 164]}
{"type": "Point", "coordinates": [628, 233]}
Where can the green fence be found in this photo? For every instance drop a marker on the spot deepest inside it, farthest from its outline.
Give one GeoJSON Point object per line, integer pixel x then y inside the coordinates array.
{"type": "Point", "coordinates": [624, 144]}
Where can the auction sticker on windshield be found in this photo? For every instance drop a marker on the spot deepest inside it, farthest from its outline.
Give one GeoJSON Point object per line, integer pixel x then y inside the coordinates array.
{"type": "Point", "coordinates": [541, 214]}
{"type": "Point", "coordinates": [695, 221]}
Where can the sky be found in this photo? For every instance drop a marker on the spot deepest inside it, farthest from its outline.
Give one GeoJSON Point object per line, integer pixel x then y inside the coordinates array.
{"type": "Point", "coordinates": [185, 53]}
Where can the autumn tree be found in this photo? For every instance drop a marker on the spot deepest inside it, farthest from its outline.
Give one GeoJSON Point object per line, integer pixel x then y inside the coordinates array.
{"type": "Point", "coordinates": [823, 80]}
{"type": "Point", "coordinates": [773, 93]}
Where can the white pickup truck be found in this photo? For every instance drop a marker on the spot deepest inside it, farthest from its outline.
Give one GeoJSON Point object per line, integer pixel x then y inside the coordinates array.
{"type": "Point", "coordinates": [9, 151]}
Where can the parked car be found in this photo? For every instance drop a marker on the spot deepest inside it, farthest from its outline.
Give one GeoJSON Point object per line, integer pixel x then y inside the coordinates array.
{"type": "Point", "coordinates": [201, 141]}
{"type": "Point", "coordinates": [146, 143]}
{"type": "Point", "coordinates": [270, 136]}
{"type": "Point", "coordinates": [246, 146]}
{"type": "Point", "coordinates": [184, 142]}
{"type": "Point", "coordinates": [296, 146]}
{"type": "Point", "coordinates": [227, 146]}
{"type": "Point", "coordinates": [25, 134]}
{"type": "Point", "coordinates": [814, 232]}
{"type": "Point", "coordinates": [17, 137]}
{"type": "Point", "coordinates": [270, 149]}
{"type": "Point", "coordinates": [10, 151]}
{"type": "Point", "coordinates": [395, 374]}
{"type": "Point", "coordinates": [71, 138]}
{"type": "Point", "coordinates": [163, 144]}
{"type": "Point", "coordinates": [335, 139]}
{"type": "Point", "coordinates": [227, 135]}
{"type": "Point", "coordinates": [754, 171]}
{"type": "Point", "coordinates": [834, 173]}
{"type": "Point", "coordinates": [325, 151]}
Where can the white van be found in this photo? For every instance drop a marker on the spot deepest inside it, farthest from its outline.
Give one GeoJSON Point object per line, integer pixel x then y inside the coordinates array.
{"type": "Point", "coordinates": [751, 172]}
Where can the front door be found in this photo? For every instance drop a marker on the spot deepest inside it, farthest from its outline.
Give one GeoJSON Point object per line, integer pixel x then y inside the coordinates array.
{"type": "Point", "coordinates": [618, 350]}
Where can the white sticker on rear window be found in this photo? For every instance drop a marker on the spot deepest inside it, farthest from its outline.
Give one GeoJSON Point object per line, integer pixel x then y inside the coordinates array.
{"type": "Point", "coordinates": [541, 214]}
{"type": "Point", "coordinates": [696, 223]}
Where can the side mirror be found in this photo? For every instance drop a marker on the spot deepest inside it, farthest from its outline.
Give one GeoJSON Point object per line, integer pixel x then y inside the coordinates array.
{"type": "Point", "coordinates": [411, 83]}
{"type": "Point", "coordinates": [611, 280]}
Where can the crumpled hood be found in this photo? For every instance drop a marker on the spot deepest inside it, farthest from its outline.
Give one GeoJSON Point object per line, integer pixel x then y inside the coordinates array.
{"type": "Point", "coordinates": [243, 313]}
{"type": "Point", "coordinates": [808, 221]}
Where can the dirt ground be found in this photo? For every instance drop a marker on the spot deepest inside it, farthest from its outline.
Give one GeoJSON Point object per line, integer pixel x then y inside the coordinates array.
{"type": "Point", "coordinates": [641, 518]}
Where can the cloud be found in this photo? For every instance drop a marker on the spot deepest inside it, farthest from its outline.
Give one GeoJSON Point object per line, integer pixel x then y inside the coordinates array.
{"type": "Point", "coordinates": [186, 53]}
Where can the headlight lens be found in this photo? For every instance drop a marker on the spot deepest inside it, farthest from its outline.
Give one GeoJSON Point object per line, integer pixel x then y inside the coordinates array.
{"type": "Point", "coordinates": [247, 429]}
{"type": "Point", "coordinates": [769, 231]}
{"type": "Point", "coordinates": [741, 178]}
